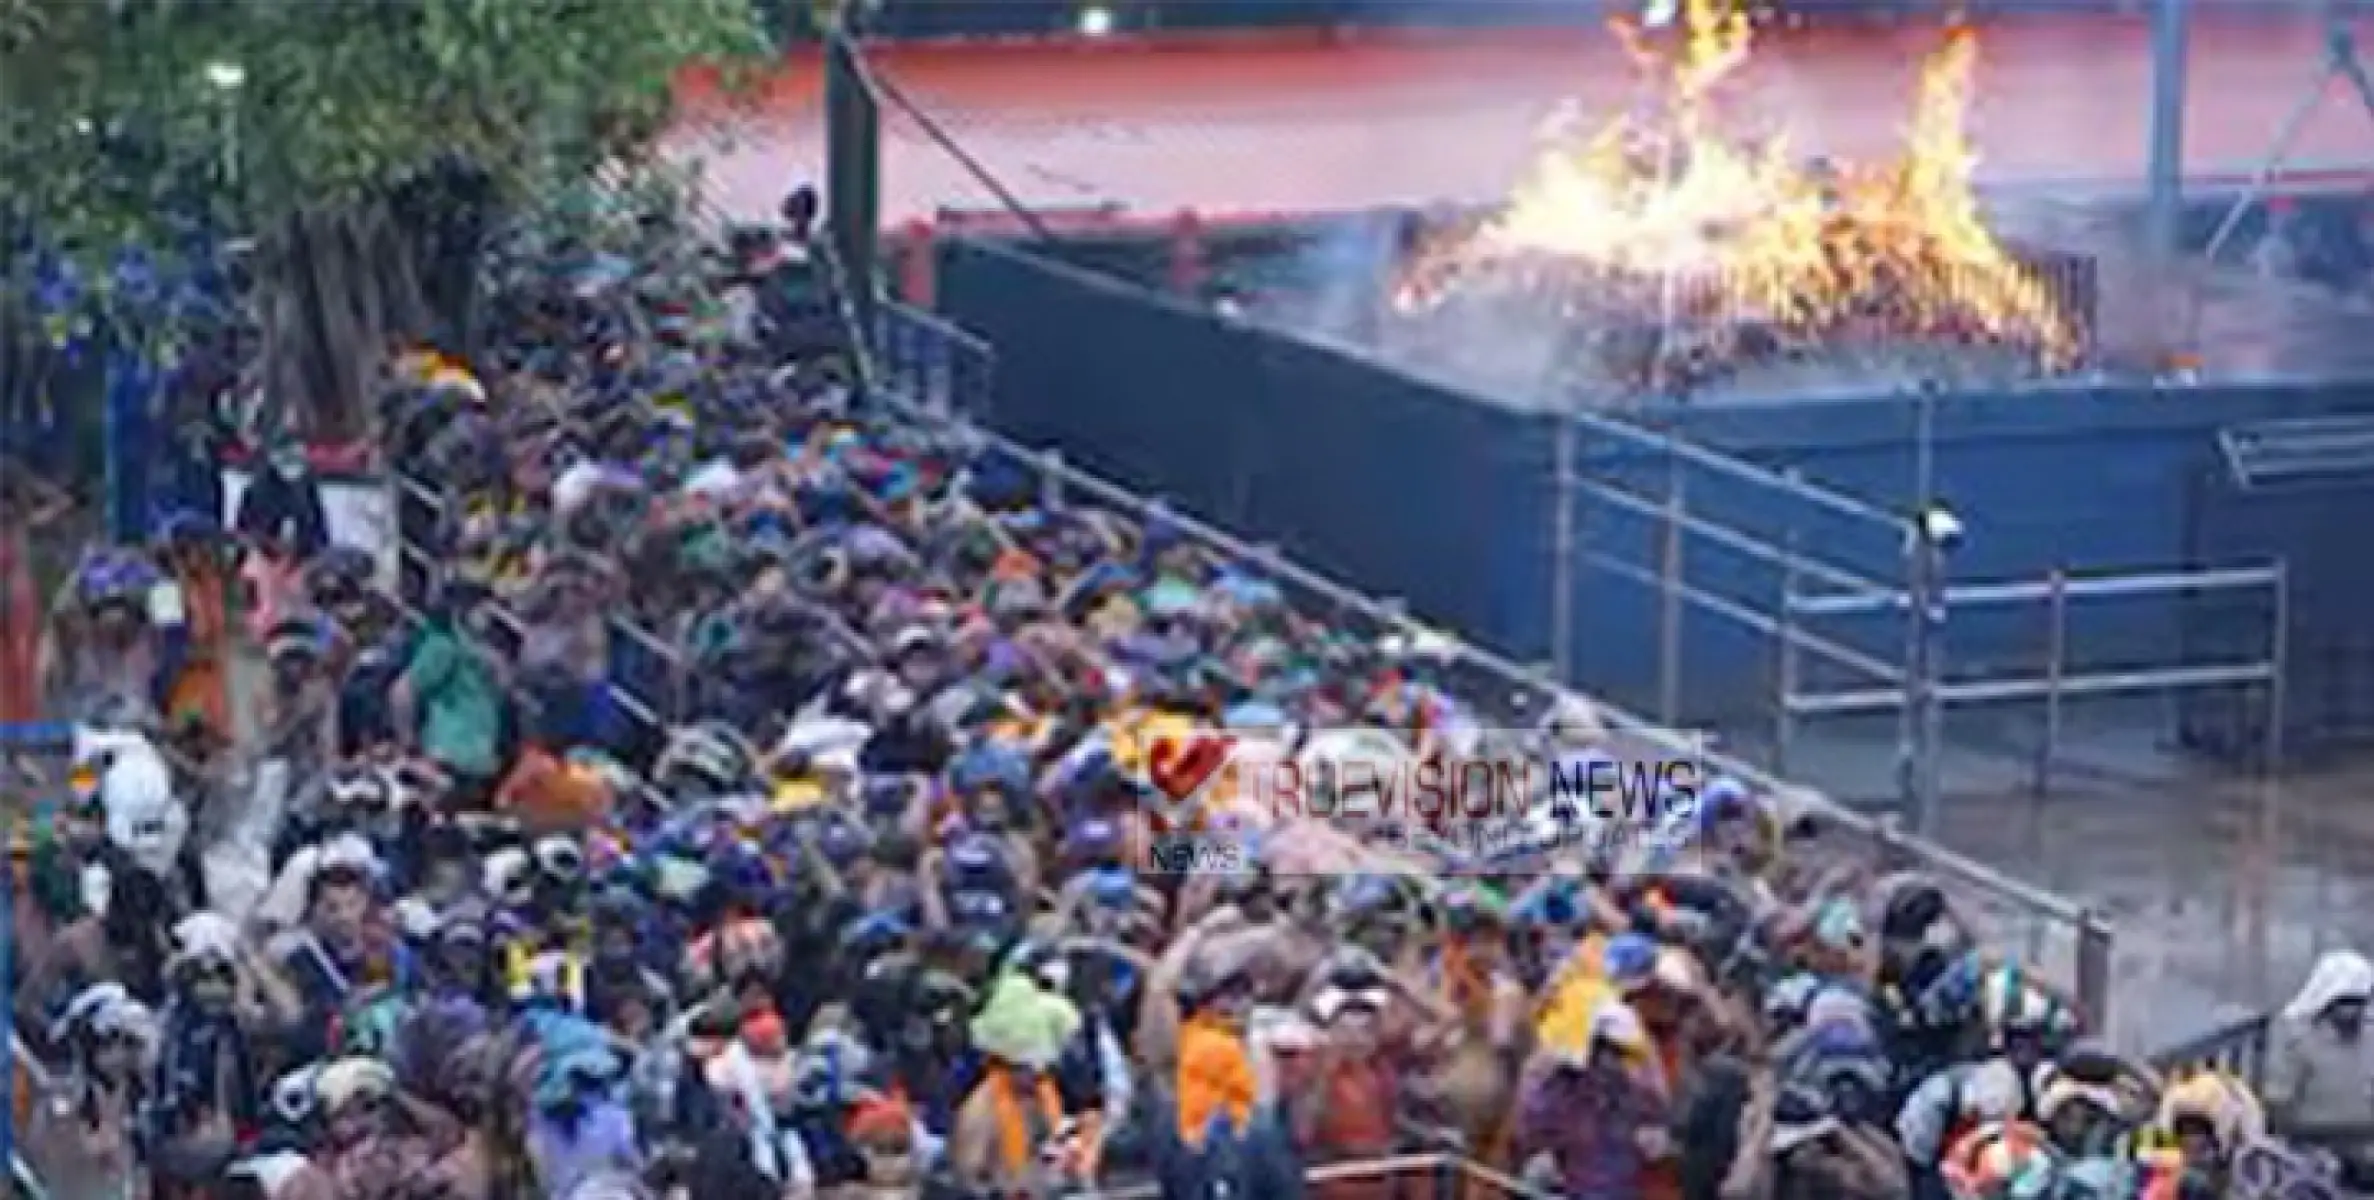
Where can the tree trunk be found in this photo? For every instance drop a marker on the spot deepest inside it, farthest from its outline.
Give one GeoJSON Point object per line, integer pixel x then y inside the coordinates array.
{"type": "Point", "coordinates": [443, 216]}
{"type": "Point", "coordinates": [341, 289]}
{"type": "Point", "coordinates": [337, 297]}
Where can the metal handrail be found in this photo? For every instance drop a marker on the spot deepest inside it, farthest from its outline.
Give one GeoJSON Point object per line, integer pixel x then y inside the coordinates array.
{"type": "Point", "coordinates": [2073, 587]}
{"type": "Point", "coordinates": [513, 626]}
{"type": "Point", "coordinates": [1448, 1170]}
{"type": "Point", "coordinates": [24, 1057]}
{"type": "Point", "coordinates": [28, 1184]}
{"type": "Point", "coordinates": [2238, 1048]}
{"type": "Point", "coordinates": [633, 705]}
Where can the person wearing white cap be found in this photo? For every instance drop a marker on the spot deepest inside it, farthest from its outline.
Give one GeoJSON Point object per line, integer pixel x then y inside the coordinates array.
{"type": "Point", "coordinates": [2321, 1067]}
{"type": "Point", "coordinates": [80, 1135]}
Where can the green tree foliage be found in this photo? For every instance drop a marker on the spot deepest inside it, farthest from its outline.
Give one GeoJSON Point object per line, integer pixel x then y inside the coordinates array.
{"type": "Point", "coordinates": [364, 144]}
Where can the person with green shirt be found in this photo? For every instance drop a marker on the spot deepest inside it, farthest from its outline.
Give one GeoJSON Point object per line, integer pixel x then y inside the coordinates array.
{"type": "Point", "coordinates": [455, 699]}
{"type": "Point", "coordinates": [65, 841]}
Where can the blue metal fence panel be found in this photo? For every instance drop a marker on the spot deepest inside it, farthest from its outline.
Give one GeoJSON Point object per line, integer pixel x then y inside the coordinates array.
{"type": "Point", "coordinates": [1364, 474]}
{"type": "Point", "coordinates": [2097, 479]}
{"type": "Point", "coordinates": [1412, 490]}
{"type": "Point", "coordinates": [2320, 532]}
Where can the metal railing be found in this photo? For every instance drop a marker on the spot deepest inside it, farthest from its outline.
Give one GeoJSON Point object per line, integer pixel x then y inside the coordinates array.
{"type": "Point", "coordinates": [2055, 680]}
{"type": "Point", "coordinates": [932, 361]}
{"type": "Point", "coordinates": [1446, 1176]}
{"type": "Point", "coordinates": [1592, 452]}
{"type": "Point", "coordinates": [1530, 692]}
{"type": "Point", "coordinates": [653, 716]}
{"type": "Point", "coordinates": [40, 1083]}
{"type": "Point", "coordinates": [2238, 1049]}
{"type": "Point", "coordinates": [2298, 451]}
{"type": "Point", "coordinates": [2241, 1049]}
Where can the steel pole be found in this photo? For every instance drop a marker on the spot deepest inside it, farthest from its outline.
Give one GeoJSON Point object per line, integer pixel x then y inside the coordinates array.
{"type": "Point", "coordinates": [2171, 38]}
{"type": "Point", "coordinates": [1933, 709]}
{"type": "Point", "coordinates": [1920, 725]}
{"type": "Point", "coordinates": [1670, 609]}
{"type": "Point", "coordinates": [1786, 683]}
{"type": "Point", "coordinates": [1565, 493]}
{"type": "Point", "coordinates": [853, 172]}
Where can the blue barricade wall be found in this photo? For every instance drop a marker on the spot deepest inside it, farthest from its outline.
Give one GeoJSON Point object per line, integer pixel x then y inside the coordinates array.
{"type": "Point", "coordinates": [1447, 501]}
{"type": "Point", "coordinates": [2089, 481]}
{"type": "Point", "coordinates": [2329, 701]}
{"type": "Point", "coordinates": [1286, 441]}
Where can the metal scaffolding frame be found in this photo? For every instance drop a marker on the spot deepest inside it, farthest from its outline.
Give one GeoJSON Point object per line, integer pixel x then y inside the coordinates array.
{"type": "Point", "coordinates": [2054, 685]}
{"type": "Point", "coordinates": [2340, 63]}
{"type": "Point", "coordinates": [1920, 564]}
{"type": "Point", "coordinates": [1915, 684]}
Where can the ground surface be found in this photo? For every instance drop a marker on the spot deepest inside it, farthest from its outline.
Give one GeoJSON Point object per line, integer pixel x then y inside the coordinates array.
{"type": "Point", "coordinates": [1269, 125]}
{"type": "Point", "coordinates": [2221, 890]}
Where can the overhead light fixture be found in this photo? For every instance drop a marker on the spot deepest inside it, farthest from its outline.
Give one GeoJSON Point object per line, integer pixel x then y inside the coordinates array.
{"type": "Point", "coordinates": [1096, 21]}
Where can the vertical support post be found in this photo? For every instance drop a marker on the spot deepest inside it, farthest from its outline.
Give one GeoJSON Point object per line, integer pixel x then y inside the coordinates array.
{"type": "Point", "coordinates": [1565, 493]}
{"type": "Point", "coordinates": [919, 269]}
{"type": "Point", "coordinates": [1786, 682]}
{"type": "Point", "coordinates": [1187, 266]}
{"type": "Point", "coordinates": [938, 352]}
{"type": "Point", "coordinates": [2170, 43]}
{"type": "Point", "coordinates": [2257, 862]}
{"type": "Point", "coordinates": [2279, 654]}
{"type": "Point", "coordinates": [1919, 727]}
{"type": "Point", "coordinates": [1051, 481]}
{"type": "Point", "coordinates": [2056, 652]}
{"type": "Point", "coordinates": [980, 395]}
{"type": "Point", "coordinates": [128, 443]}
{"type": "Point", "coordinates": [853, 174]}
{"type": "Point", "coordinates": [2093, 968]}
{"type": "Point", "coordinates": [1932, 757]}
{"type": "Point", "coordinates": [1669, 601]}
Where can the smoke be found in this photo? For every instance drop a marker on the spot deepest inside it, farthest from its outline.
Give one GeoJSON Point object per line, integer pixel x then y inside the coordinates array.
{"type": "Point", "coordinates": [1331, 284]}
{"type": "Point", "coordinates": [1339, 285]}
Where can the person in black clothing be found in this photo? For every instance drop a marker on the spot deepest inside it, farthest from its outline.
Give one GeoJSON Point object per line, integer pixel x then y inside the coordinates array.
{"type": "Point", "coordinates": [285, 495]}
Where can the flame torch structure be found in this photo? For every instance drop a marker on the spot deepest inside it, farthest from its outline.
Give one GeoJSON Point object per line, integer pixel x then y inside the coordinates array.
{"type": "Point", "coordinates": [1724, 244]}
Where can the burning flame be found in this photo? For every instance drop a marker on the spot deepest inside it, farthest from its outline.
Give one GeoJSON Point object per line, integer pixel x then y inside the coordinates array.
{"type": "Point", "coordinates": [1665, 209]}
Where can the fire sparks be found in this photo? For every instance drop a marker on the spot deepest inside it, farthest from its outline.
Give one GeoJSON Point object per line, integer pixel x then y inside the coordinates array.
{"type": "Point", "coordinates": [1667, 213]}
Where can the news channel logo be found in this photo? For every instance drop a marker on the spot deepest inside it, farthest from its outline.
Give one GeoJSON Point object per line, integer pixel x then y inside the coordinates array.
{"type": "Point", "coordinates": [1225, 805]}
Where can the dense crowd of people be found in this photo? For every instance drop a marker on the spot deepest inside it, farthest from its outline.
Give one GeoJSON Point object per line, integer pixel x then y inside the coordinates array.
{"type": "Point", "coordinates": [739, 792]}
